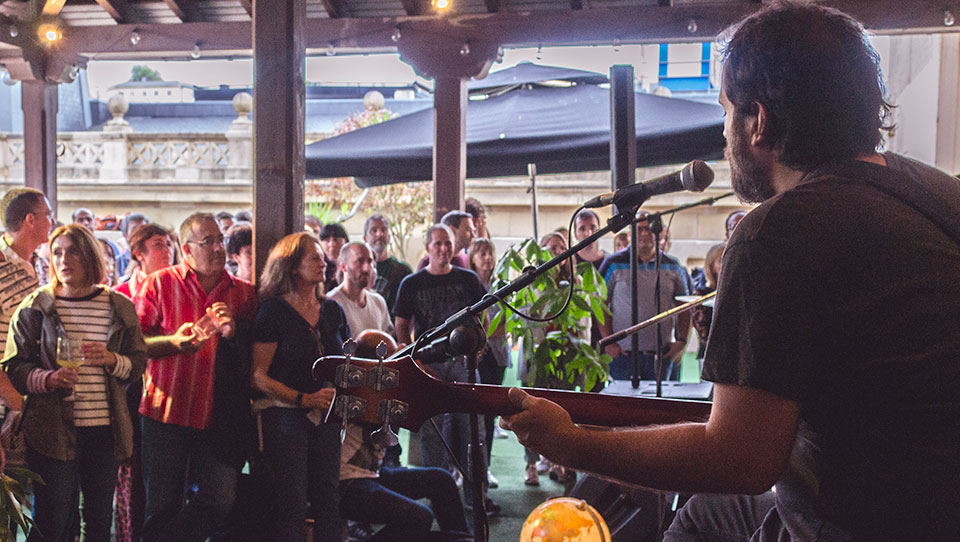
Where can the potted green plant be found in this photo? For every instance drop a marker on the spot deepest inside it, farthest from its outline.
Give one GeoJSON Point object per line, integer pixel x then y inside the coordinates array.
{"type": "Point", "coordinates": [13, 501]}
{"type": "Point", "coordinates": [558, 352]}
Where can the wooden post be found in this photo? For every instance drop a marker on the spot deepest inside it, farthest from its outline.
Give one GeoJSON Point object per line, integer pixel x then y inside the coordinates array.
{"type": "Point", "coordinates": [449, 144]}
{"type": "Point", "coordinates": [623, 167]}
{"type": "Point", "coordinates": [39, 103]}
{"type": "Point", "coordinates": [278, 119]}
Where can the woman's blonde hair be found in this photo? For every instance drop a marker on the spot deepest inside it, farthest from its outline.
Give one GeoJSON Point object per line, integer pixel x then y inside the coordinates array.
{"type": "Point", "coordinates": [714, 254]}
{"type": "Point", "coordinates": [89, 249]}
{"type": "Point", "coordinates": [279, 273]}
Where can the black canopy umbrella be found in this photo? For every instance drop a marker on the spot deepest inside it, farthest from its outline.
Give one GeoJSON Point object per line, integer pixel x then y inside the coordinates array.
{"type": "Point", "coordinates": [561, 129]}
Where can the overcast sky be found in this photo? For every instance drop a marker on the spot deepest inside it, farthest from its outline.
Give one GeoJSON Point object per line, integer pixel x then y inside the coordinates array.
{"type": "Point", "coordinates": [362, 69]}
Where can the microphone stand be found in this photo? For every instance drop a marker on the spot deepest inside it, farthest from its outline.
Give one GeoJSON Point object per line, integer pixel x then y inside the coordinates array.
{"type": "Point", "coordinates": [466, 319]}
{"type": "Point", "coordinates": [526, 278]}
{"type": "Point", "coordinates": [655, 224]}
{"type": "Point", "coordinates": [614, 224]}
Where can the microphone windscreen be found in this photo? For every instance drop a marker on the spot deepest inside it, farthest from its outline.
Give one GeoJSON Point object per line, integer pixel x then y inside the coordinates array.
{"type": "Point", "coordinates": [696, 176]}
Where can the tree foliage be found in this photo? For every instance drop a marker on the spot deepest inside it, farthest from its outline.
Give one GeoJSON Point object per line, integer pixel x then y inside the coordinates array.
{"type": "Point", "coordinates": [144, 73]}
{"type": "Point", "coordinates": [408, 206]}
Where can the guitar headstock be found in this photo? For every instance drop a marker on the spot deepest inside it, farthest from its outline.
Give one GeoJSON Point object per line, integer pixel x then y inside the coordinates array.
{"type": "Point", "coordinates": [368, 390]}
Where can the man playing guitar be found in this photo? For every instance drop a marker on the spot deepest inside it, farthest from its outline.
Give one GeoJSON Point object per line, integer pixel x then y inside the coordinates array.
{"type": "Point", "coordinates": [838, 388]}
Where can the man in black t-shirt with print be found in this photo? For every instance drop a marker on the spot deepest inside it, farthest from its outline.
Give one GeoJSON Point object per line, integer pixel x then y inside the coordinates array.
{"type": "Point", "coordinates": [425, 300]}
{"type": "Point", "coordinates": [840, 389]}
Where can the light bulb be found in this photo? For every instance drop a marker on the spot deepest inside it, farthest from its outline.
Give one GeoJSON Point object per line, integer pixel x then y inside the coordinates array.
{"type": "Point", "coordinates": [195, 53]}
{"type": "Point", "coordinates": [134, 37]}
{"type": "Point", "coordinates": [443, 4]}
{"type": "Point", "coordinates": [14, 31]}
{"type": "Point", "coordinates": [616, 45]}
{"type": "Point", "coordinates": [330, 51]}
{"type": "Point", "coordinates": [465, 49]}
{"type": "Point", "coordinates": [395, 37]}
{"type": "Point", "coordinates": [692, 26]}
{"type": "Point", "coordinates": [948, 18]}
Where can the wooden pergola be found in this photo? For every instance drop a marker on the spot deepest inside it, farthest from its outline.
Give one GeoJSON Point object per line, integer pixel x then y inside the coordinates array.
{"type": "Point", "coordinates": [450, 45]}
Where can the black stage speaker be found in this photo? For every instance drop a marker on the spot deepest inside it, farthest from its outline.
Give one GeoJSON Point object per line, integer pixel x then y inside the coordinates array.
{"type": "Point", "coordinates": [633, 514]}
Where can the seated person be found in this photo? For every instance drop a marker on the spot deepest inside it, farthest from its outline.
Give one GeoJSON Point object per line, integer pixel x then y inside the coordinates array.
{"type": "Point", "coordinates": [388, 495]}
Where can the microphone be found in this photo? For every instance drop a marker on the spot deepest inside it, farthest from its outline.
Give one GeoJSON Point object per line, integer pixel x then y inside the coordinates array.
{"type": "Point", "coordinates": [695, 177]}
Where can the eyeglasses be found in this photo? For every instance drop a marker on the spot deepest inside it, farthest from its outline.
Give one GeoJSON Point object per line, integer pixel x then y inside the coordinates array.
{"type": "Point", "coordinates": [210, 242]}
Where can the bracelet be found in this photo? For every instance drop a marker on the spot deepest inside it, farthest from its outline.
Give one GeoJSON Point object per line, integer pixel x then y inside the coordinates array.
{"type": "Point", "coordinates": [299, 400]}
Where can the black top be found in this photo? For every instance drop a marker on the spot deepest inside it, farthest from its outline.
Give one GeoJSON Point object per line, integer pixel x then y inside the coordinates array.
{"type": "Point", "coordinates": [297, 340]}
{"type": "Point", "coordinates": [390, 272]}
{"type": "Point", "coordinates": [429, 299]}
{"type": "Point", "coordinates": [844, 299]}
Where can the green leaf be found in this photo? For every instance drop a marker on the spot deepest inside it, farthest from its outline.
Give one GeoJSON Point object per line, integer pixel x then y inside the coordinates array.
{"type": "Point", "coordinates": [581, 303]}
{"type": "Point", "coordinates": [495, 322]}
{"type": "Point", "coordinates": [18, 472]}
{"type": "Point", "coordinates": [599, 309]}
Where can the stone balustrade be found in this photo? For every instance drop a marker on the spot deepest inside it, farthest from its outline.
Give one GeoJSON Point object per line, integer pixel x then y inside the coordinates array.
{"type": "Point", "coordinates": [168, 176]}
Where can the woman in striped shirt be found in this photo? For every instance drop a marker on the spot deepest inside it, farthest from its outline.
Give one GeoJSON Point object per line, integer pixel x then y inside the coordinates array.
{"type": "Point", "coordinates": [76, 425]}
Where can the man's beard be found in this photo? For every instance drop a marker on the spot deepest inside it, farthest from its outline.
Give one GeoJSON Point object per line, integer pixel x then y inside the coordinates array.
{"type": "Point", "coordinates": [378, 247]}
{"type": "Point", "coordinates": [750, 179]}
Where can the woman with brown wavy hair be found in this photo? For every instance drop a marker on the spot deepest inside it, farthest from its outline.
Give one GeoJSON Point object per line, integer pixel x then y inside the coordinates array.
{"type": "Point", "coordinates": [295, 325]}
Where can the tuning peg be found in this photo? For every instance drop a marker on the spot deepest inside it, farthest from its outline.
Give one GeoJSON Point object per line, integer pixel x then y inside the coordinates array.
{"type": "Point", "coordinates": [349, 348]}
{"type": "Point", "coordinates": [389, 410]}
{"type": "Point", "coordinates": [385, 437]}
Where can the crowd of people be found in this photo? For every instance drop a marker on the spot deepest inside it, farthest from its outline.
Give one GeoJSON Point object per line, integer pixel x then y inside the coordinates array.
{"type": "Point", "coordinates": [145, 377]}
{"type": "Point", "coordinates": [146, 363]}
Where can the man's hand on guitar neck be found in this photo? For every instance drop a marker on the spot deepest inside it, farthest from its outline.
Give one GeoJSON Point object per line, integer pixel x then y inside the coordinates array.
{"type": "Point", "coordinates": [543, 426]}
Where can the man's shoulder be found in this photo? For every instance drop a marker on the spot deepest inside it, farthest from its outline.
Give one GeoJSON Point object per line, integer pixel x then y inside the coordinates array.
{"type": "Point", "coordinates": [246, 287]}
{"type": "Point", "coordinates": [393, 261]}
{"type": "Point", "coordinates": [620, 258]}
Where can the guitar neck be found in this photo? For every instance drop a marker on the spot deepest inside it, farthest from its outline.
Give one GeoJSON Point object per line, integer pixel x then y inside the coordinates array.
{"type": "Point", "coordinates": [584, 408]}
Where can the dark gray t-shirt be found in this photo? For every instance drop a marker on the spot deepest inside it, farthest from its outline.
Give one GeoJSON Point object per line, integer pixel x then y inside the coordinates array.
{"type": "Point", "coordinates": [845, 300]}
{"type": "Point", "coordinates": [429, 300]}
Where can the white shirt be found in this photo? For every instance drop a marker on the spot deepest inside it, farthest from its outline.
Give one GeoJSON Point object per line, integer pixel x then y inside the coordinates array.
{"type": "Point", "coordinates": [373, 315]}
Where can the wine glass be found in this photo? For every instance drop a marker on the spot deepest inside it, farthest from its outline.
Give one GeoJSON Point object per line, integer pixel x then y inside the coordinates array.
{"type": "Point", "coordinates": [69, 355]}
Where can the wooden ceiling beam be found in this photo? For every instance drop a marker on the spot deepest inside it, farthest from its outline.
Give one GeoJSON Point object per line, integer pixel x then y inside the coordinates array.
{"type": "Point", "coordinates": [415, 7]}
{"type": "Point", "coordinates": [52, 8]}
{"type": "Point", "coordinates": [185, 10]}
{"type": "Point", "coordinates": [335, 8]}
{"type": "Point", "coordinates": [650, 24]}
{"type": "Point", "coordinates": [117, 9]}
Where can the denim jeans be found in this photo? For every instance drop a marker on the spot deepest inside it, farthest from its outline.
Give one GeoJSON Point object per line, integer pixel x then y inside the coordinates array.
{"type": "Point", "coordinates": [94, 471]}
{"type": "Point", "coordinates": [719, 518]}
{"type": "Point", "coordinates": [304, 460]}
{"type": "Point", "coordinates": [455, 428]}
{"type": "Point", "coordinates": [391, 500]}
{"type": "Point", "coordinates": [621, 368]}
{"type": "Point", "coordinates": [175, 459]}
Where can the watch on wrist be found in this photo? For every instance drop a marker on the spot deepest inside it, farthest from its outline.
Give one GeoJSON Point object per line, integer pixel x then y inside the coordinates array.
{"type": "Point", "coordinates": [299, 400]}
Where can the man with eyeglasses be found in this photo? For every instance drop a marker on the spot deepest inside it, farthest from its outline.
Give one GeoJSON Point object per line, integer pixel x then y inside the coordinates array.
{"type": "Point", "coordinates": [194, 317]}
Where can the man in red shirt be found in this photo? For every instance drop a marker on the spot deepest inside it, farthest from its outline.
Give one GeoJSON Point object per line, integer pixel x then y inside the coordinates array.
{"type": "Point", "coordinates": [194, 396]}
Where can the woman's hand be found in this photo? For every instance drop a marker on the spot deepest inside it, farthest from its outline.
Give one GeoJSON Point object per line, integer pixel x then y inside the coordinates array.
{"type": "Point", "coordinates": [62, 378]}
{"type": "Point", "coordinates": [319, 399]}
{"type": "Point", "coordinates": [97, 355]}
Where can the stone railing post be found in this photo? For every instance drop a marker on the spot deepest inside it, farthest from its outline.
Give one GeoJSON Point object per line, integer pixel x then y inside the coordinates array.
{"type": "Point", "coordinates": [115, 141]}
{"type": "Point", "coordinates": [240, 141]}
